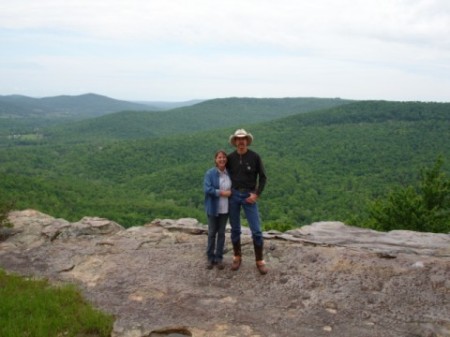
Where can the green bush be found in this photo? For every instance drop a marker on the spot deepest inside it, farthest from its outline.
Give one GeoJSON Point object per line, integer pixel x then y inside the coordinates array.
{"type": "Point", "coordinates": [5, 208]}
{"type": "Point", "coordinates": [425, 208]}
{"type": "Point", "coordinates": [281, 226]}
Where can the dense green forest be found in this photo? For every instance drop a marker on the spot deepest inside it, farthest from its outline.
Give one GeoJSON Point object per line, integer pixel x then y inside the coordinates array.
{"type": "Point", "coordinates": [322, 165]}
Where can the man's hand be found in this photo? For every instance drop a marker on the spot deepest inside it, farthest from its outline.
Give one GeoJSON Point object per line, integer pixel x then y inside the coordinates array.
{"type": "Point", "coordinates": [252, 198]}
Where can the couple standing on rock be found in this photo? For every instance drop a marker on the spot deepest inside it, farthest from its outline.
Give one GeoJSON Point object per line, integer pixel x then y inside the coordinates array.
{"type": "Point", "coordinates": [236, 182]}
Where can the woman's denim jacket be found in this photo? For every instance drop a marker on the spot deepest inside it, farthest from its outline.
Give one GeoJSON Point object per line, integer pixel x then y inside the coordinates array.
{"type": "Point", "coordinates": [211, 187]}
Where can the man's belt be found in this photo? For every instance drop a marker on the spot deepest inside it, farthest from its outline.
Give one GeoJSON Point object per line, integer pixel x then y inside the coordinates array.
{"type": "Point", "coordinates": [241, 189]}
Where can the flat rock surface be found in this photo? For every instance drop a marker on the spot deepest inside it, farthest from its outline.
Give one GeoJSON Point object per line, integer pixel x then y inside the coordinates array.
{"type": "Point", "coordinates": [326, 279]}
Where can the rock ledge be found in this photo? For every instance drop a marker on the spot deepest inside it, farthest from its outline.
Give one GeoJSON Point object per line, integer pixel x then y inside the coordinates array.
{"type": "Point", "coordinates": [326, 279]}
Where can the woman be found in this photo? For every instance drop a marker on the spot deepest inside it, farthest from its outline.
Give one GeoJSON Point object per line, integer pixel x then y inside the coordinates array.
{"type": "Point", "coordinates": [217, 188]}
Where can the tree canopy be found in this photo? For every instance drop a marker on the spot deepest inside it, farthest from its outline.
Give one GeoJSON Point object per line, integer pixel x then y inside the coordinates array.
{"type": "Point", "coordinates": [322, 165]}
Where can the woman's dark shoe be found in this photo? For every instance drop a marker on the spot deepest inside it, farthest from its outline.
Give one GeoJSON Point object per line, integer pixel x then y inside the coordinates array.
{"type": "Point", "coordinates": [220, 265]}
{"type": "Point", "coordinates": [209, 265]}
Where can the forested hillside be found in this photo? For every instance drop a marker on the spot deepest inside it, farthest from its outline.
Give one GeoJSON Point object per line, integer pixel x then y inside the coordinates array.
{"type": "Point", "coordinates": [208, 115]}
{"type": "Point", "coordinates": [322, 165]}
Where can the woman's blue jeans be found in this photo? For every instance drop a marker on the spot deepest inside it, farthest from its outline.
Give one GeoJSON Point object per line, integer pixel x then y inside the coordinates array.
{"type": "Point", "coordinates": [237, 202]}
{"type": "Point", "coordinates": [216, 237]}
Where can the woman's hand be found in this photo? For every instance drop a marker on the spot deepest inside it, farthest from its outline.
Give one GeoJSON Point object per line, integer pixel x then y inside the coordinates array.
{"type": "Point", "coordinates": [226, 193]}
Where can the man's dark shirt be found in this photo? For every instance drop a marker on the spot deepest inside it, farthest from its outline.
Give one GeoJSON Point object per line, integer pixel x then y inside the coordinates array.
{"type": "Point", "coordinates": [247, 171]}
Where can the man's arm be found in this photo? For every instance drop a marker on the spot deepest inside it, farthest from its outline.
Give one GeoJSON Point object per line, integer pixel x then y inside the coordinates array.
{"type": "Point", "coordinates": [262, 178]}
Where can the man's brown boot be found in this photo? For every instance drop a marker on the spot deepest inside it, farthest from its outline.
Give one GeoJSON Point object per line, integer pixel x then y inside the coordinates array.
{"type": "Point", "coordinates": [236, 263]}
{"type": "Point", "coordinates": [260, 264]}
{"type": "Point", "coordinates": [237, 258]}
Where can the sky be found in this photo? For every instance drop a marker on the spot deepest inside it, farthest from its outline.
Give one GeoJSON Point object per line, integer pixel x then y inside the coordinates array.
{"type": "Point", "coordinates": [179, 50]}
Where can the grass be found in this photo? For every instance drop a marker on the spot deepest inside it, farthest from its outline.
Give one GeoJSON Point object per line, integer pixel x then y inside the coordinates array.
{"type": "Point", "coordinates": [33, 308]}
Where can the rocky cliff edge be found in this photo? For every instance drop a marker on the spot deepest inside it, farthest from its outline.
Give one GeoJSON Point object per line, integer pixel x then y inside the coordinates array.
{"type": "Point", "coordinates": [325, 279]}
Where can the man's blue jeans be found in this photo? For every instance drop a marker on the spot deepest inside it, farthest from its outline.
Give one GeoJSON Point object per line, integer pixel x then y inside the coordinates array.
{"type": "Point", "coordinates": [216, 229]}
{"type": "Point", "coordinates": [237, 201]}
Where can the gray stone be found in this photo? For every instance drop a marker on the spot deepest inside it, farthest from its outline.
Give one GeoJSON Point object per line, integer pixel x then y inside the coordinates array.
{"type": "Point", "coordinates": [326, 279]}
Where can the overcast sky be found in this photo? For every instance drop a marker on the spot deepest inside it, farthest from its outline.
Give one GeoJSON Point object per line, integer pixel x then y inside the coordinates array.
{"type": "Point", "coordinates": [176, 50]}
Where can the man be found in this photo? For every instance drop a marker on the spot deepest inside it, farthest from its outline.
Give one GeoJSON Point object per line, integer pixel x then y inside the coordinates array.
{"type": "Point", "coordinates": [248, 179]}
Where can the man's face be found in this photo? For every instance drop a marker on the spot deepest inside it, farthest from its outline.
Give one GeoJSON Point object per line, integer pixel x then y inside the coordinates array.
{"type": "Point", "coordinates": [241, 142]}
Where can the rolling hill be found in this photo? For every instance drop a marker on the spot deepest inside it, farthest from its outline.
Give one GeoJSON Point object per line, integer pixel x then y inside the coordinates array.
{"type": "Point", "coordinates": [116, 120]}
{"type": "Point", "coordinates": [208, 115]}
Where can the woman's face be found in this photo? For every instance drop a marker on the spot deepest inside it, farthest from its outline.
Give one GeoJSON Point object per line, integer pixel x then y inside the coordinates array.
{"type": "Point", "coordinates": [221, 160]}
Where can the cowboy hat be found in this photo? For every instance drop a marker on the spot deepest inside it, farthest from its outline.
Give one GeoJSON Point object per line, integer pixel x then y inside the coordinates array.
{"type": "Point", "coordinates": [241, 133]}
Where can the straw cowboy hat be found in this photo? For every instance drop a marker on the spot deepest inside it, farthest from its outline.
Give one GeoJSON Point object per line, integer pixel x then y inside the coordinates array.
{"type": "Point", "coordinates": [241, 133]}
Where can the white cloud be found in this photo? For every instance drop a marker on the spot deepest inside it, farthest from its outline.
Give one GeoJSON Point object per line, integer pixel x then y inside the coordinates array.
{"type": "Point", "coordinates": [203, 48]}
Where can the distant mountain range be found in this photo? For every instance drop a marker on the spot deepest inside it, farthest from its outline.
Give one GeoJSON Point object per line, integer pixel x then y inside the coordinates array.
{"type": "Point", "coordinates": [86, 117]}
{"type": "Point", "coordinates": [207, 115]}
{"type": "Point", "coordinates": [82, 106]}
{"type": "Point", "coordinates": [161, 105]}
{"type": "Point", "coordinates": [94, 105]}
